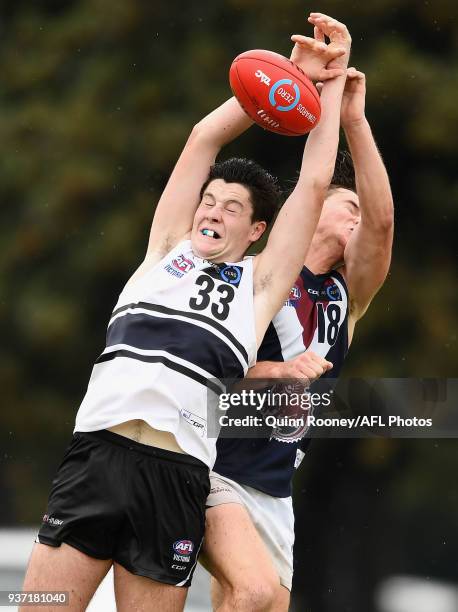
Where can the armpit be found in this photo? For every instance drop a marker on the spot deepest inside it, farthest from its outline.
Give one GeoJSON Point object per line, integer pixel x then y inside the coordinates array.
{"type": "Point", "coordinates": [352, 307]}
{"type": "Point", "coordinates": [165, 245]}
{"type": "Point", "coordinates": [263, 283]}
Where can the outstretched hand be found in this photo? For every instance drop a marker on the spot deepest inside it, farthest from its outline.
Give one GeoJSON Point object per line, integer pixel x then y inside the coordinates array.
{"type": "Point", "coordinates": [354, 98]}
{"type": "Point", "coordinates": [338, 35]}
{"type": "Point", "coordinates": [312, 56]}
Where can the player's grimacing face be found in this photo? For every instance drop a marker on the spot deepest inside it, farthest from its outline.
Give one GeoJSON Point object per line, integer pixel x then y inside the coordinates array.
{"type": "Point", "coordinates": [223, 228]}
{"type": "Point", "coordinates": [340, 214]}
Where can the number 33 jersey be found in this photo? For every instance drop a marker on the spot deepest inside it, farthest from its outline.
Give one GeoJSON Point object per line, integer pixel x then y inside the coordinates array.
{"type": "Point", "coordinates": [173, 335]}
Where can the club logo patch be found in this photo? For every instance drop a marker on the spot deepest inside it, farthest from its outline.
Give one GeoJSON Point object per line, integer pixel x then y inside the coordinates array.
{"type": "Point", "coordinates": [333, 292]}
{"type": "Point", "coordinates": [295, 426]}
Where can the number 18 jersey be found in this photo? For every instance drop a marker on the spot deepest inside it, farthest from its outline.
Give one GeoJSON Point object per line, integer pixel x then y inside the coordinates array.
{"type": "Point", "coordinates": [315, 317]}
{"type": "Point", "coordinates": [173, 335]}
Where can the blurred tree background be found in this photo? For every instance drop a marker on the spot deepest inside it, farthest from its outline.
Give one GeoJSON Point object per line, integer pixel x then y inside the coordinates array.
{"type": "Point", "coordinates": [96, 100]}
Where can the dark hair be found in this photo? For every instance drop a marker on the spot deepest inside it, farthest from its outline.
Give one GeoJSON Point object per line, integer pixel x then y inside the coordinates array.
{"type": "Point", "coordinates": [344, 173]}
{"type": "Point", "coordinates": [265, 193]}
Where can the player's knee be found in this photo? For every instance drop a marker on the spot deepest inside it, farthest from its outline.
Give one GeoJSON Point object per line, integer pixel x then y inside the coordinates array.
{"type": "Point", "coordinates": [255, 595]}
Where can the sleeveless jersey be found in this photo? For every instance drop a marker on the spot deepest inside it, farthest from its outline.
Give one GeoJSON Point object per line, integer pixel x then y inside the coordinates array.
{"type": "Point", "coordinates": [314, 317]}
{"type": "Point", "coordinates": [174, 333]}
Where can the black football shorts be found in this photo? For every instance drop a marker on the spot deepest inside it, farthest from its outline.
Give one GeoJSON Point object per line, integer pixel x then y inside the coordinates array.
{"type": "Point", "coordinates": [141, 506]}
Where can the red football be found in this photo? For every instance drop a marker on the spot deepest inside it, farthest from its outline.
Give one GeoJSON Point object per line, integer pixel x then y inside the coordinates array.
{"type": "Point", "coordinates": [274, 92]}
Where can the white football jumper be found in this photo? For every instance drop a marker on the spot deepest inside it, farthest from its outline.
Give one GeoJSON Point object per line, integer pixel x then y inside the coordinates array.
{"type": "Point", "coordinates": [173, 335]}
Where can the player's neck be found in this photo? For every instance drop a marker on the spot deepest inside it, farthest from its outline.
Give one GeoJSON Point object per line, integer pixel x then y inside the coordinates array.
{"type": "Point", "coordinates": [322, 257]}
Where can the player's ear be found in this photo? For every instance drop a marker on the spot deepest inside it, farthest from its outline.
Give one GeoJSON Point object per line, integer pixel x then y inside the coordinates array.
{"type": "Point", "coordinates": [257, 230]}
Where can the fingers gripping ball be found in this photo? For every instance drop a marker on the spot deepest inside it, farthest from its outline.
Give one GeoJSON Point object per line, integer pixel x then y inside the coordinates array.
{"type": "Point", "coordinates": [275, 93]}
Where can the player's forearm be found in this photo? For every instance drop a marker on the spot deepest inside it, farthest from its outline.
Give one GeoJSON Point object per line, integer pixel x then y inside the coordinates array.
{"type": "Point", "coordinates": [265, 369]}
{"type": "Point", "coordinates": [321, 147]}
{"type": "Point", "coordinates": [297, 220]}
{"type": "Point", "coordinates": [299, 215]}
{"type": "Point", "coordinates": [372, 182]}
{"type": "Point", "coordinates": [224, 124]}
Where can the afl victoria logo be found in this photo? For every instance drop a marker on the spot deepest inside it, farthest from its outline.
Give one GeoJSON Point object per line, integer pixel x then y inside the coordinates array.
{"type": "Point", "coordinates": [183, 547]}
{"type": "Point", "coordinates": [183, 264]}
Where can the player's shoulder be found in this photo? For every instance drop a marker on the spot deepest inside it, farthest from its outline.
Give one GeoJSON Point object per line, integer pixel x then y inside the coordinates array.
{"type": "Point", "coordinates": [155, 255]}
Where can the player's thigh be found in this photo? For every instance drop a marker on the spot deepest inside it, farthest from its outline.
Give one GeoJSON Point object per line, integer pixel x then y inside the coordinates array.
{"type": "Point", "coordinates": [233, 549]}
{"type": "Point", "coordinates": [64, 568]}
{"type": "Point", "coordinates": [281, 601]}
{"type": "Point", "coordinates": [139, 594]}
{"type": "Point", "coordinates": [216, 593]}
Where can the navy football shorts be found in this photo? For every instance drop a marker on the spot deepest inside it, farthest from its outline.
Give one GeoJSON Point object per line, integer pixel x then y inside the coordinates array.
{"type": "Point", "coordinates": [141, 506]}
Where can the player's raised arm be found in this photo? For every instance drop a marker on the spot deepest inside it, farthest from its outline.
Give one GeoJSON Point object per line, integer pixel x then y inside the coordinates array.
{"type": "Point", "coordinates": [175, 210]}
{"type": "Point", "coordinates": [277, 267]}
{"type": "Point", "coordinates": [368, 252]}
